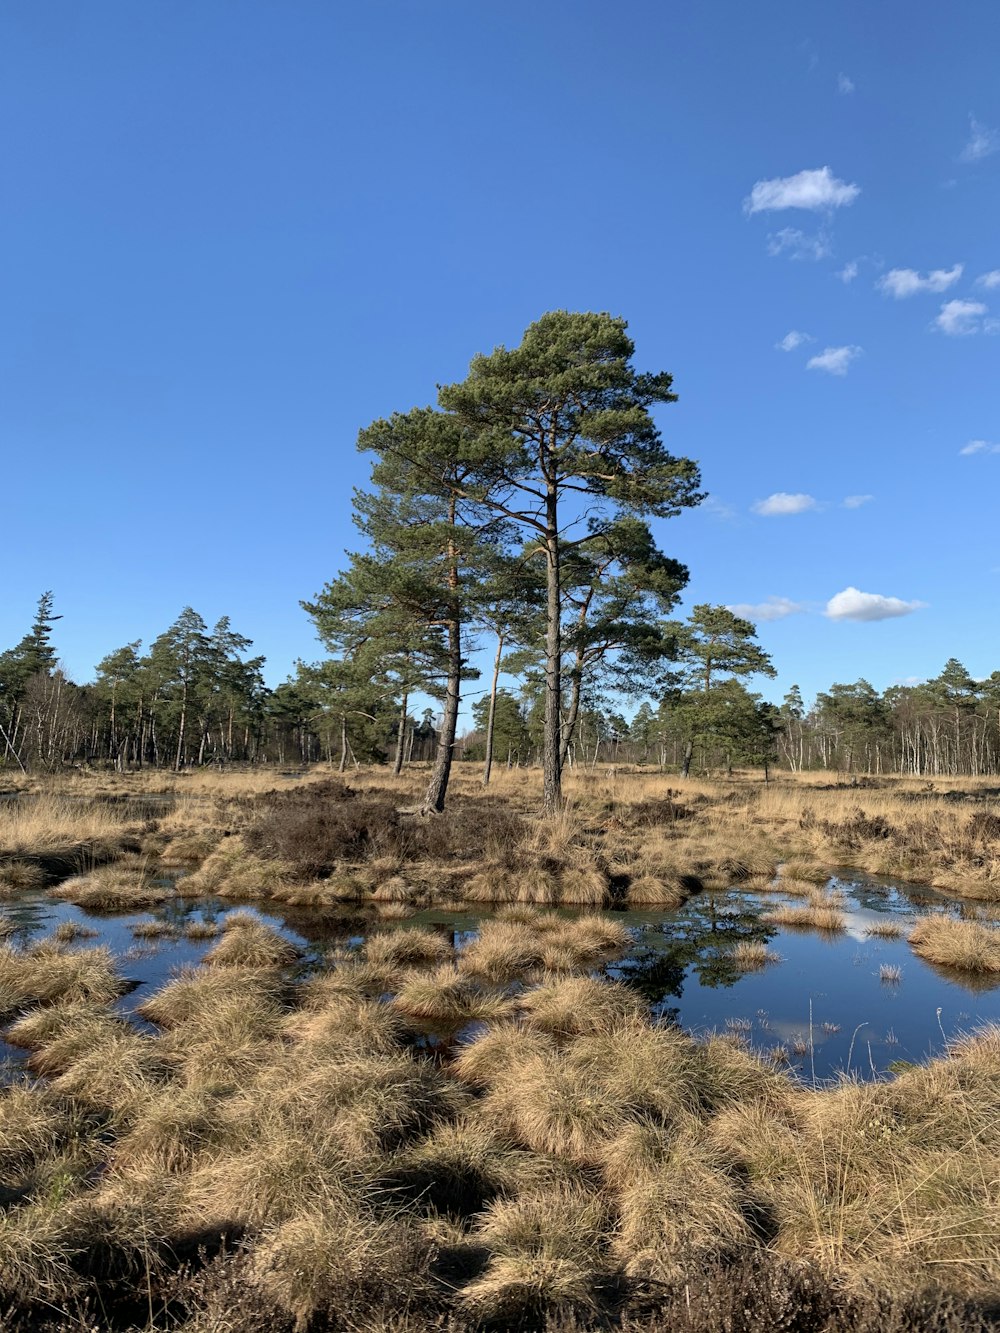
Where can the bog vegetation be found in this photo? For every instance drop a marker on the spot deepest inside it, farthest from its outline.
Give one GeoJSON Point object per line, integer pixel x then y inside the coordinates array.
{"type": "Point", "coordinates": [412, 1134]}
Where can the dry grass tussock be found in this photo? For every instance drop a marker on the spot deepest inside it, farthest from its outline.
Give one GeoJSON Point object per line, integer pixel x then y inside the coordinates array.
{"type": "Point", "coordinates": [249, 943]}
{"type": "Point", "coordinates": [753, 956]}
{"type": "Point", "coordinates": [950, 942]}
{"type": "Point", "coordinates": [123, 886]}
{"type": "Point", "coordinates": [507, 949]}
{"type": "Point", "coordinates": [231, 871]}
{"type": "Point", "coordinates": [45, 973]}
{"type": "Point", "coordinates": [822, 915]}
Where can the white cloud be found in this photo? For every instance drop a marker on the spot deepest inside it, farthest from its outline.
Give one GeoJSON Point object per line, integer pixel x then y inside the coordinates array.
{"type": "Point", "coordinates": [852, 604]}
{"type": "Point", "coordinates": [783, 503]}
{"type": "Point", "coordinates": [849, 272]}
{"type": "Point", "coordinates": [718, 508]}
{"type": "Point", "coordinates": [834, 360]}
{"type": "Point", "coordinates": [979, 447]}
{"type": "Point", "coordinates": [856, 501]}
{"type": "Point", "coordinates": [845, 85]}
{"type": "Point", "coordinates": [901, 282]}
{"type": "Point", "coordinates": [958, 319]}
{"type": "Point", "coordinates": [795, 338]}
{"type": "Point", "coordinates": [798, 244]}
{"type": "Point", "coordinates": [775, 608]}
{"type": "Point", "coordinates": [989, 280]}
{"type": "Point", "coordinates": [982, 142]}
{"type": "Point", "coordinates": [815, 190]}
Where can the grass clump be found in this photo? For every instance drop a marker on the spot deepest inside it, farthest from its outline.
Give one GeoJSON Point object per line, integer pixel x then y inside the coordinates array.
{"type": "Point", "coordinates": [407, 948]}
{"type": "Point", "coordinates": [812, 916]}
{"type": "Point", "coordinates": [18, 876]}
{"type": "Point", "coordinates": [448, 998]}
{"type": "Point", "coordinates": [949, 942]}
{"type": "Point", "coordinates": [679, 1211]}
{"type": "Point", "coordinates": [575, 1005]}
{"type": "Point", "coordinates": [657, 890]}
{"type": "Point", "coordinates": [114, 888]}
{"type": "Point", "coordinates": [45, 973]}
{"type": "Point", "coordinates": [248, 942]}
{"type": "Point", "coordinates": [546, 1251]}
{"type": "Point", "coordinates": [753, 956]}
{"type": "Point", "coordinates": [233, 871]}
{"type": "Point", "coordinates": [884, 930]}
{"type": "Point", "coordinates": [338, 1256]}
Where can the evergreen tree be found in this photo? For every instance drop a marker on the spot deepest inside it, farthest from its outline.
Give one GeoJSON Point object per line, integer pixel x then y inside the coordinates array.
{"type": "Point", "coordinates": [566, 423]}
{"type": "Point", "coordinates": [428, 552]}
{"type": "Point", "coordinates": [712, 642]}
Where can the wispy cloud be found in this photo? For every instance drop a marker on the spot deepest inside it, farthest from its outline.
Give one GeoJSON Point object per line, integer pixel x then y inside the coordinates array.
{"type": "Point", "coordinates": [834, 360]}
{"type": "Point", "coordinates": [982, 142]}
{"type": "Point", "coordinates": [845, 85]}
{"type": "Point", "coordinates": [853, 604]}
{"type": "Point", "coordinates": [979, 447]}
{"type": "Point", "coordinates": [791, 340]}
{"type": "Point", "coordinates": [815, 190]}
{"type": "Point", "coordinates": [959, 319]}
{"type": "Point", "coordinates": [799, 244]}
{"type": "Point", "coordinates": [849, 272]}
{"type": "Point", "coordinates": [784, 503]}
{"type": "Point", "coordinates": [718, 508]}
{"type": "Point", "coordinates": [902, 282]}
{"type": "Point", "coordinates": [856, 501]}
{"type": "Point", "coordinates": [775, 608]}
{"type": "Point", "coordinates": [989, 280]}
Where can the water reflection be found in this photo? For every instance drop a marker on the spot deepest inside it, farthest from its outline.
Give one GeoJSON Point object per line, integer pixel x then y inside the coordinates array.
{"type": "Point", "coordinates": [826, 1005]}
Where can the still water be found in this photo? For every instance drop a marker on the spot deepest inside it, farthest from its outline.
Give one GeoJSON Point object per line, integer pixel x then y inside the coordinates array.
{"type": "Point", "coordinates": [825, 1007]}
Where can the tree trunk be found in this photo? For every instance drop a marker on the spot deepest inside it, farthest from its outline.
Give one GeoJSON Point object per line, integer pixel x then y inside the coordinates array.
{"type": "Point", "coordinates": [551, 744]}
{"type": "Point", "coordinates": [180, 731]}
{"type": "Point", "coordinates": [688, 752]}
{"type": "Point", "coordinates": [437, 788]}
{"type": "Point", "coordinates": [491, 718]}
{"type": "Point", "coordinates": [397, 767]}
{"type": "Point", "coordinates": [569, 724]}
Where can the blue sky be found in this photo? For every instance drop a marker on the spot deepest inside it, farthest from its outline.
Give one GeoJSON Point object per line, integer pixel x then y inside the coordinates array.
{"type": "Point", "coordinates": [234, 233]}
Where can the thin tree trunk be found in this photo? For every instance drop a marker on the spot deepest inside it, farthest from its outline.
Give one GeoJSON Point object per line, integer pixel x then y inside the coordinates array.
{"type": "Point", "coordinates": [180, 730]}
{"type": "Point", "coordinates": [551, 744]}
{"type": "Point", "coordinates": [397, 767]}
{"type": "Point", "coordinates": [437, 788]}
{"type": "Point", "coordinates": [569, 724]}
{"type": "Point", "coordinates": [491, 718]}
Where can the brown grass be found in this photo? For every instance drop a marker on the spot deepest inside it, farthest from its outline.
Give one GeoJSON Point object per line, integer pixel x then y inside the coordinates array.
{"type": "Point", "coordinates": [45, 973]}
{"type": "Point", "coordinates": [884, 930]}
{"type": "Point", "coordinates": [248, 942]}
{"type": "Point", "coordinates": [114, 888]}
{"type": "Point", "coordinates": [950, 942]}
{"type": "Point", "coordinates": [753, 955]}
{"type": "Point", "coordinates": [573, 1164]}
{"type": "Point", "coordinates": [813, 916]}
{"type": "Point", "coordinates": [49, 825]}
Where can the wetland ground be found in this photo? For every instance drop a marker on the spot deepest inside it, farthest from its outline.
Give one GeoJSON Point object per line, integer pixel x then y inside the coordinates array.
{"type": "Point", "coordinates": [282, 1055]}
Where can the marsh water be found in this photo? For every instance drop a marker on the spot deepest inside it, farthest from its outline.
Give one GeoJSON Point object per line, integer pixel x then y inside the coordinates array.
{"type": "Point", "coordinates": [827, 1005]}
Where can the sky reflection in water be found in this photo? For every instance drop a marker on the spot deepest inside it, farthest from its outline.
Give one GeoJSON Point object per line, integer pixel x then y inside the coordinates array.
{"type": "Point", "coordinates": [824, 1002]}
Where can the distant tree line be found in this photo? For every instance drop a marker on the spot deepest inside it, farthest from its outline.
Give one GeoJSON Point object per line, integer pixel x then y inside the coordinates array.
{"type": "Point", "coordinates": [197, 697]}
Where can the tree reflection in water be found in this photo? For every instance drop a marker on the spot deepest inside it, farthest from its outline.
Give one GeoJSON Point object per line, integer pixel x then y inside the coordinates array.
{"type": "Point", "coordinates": [698, 938]}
